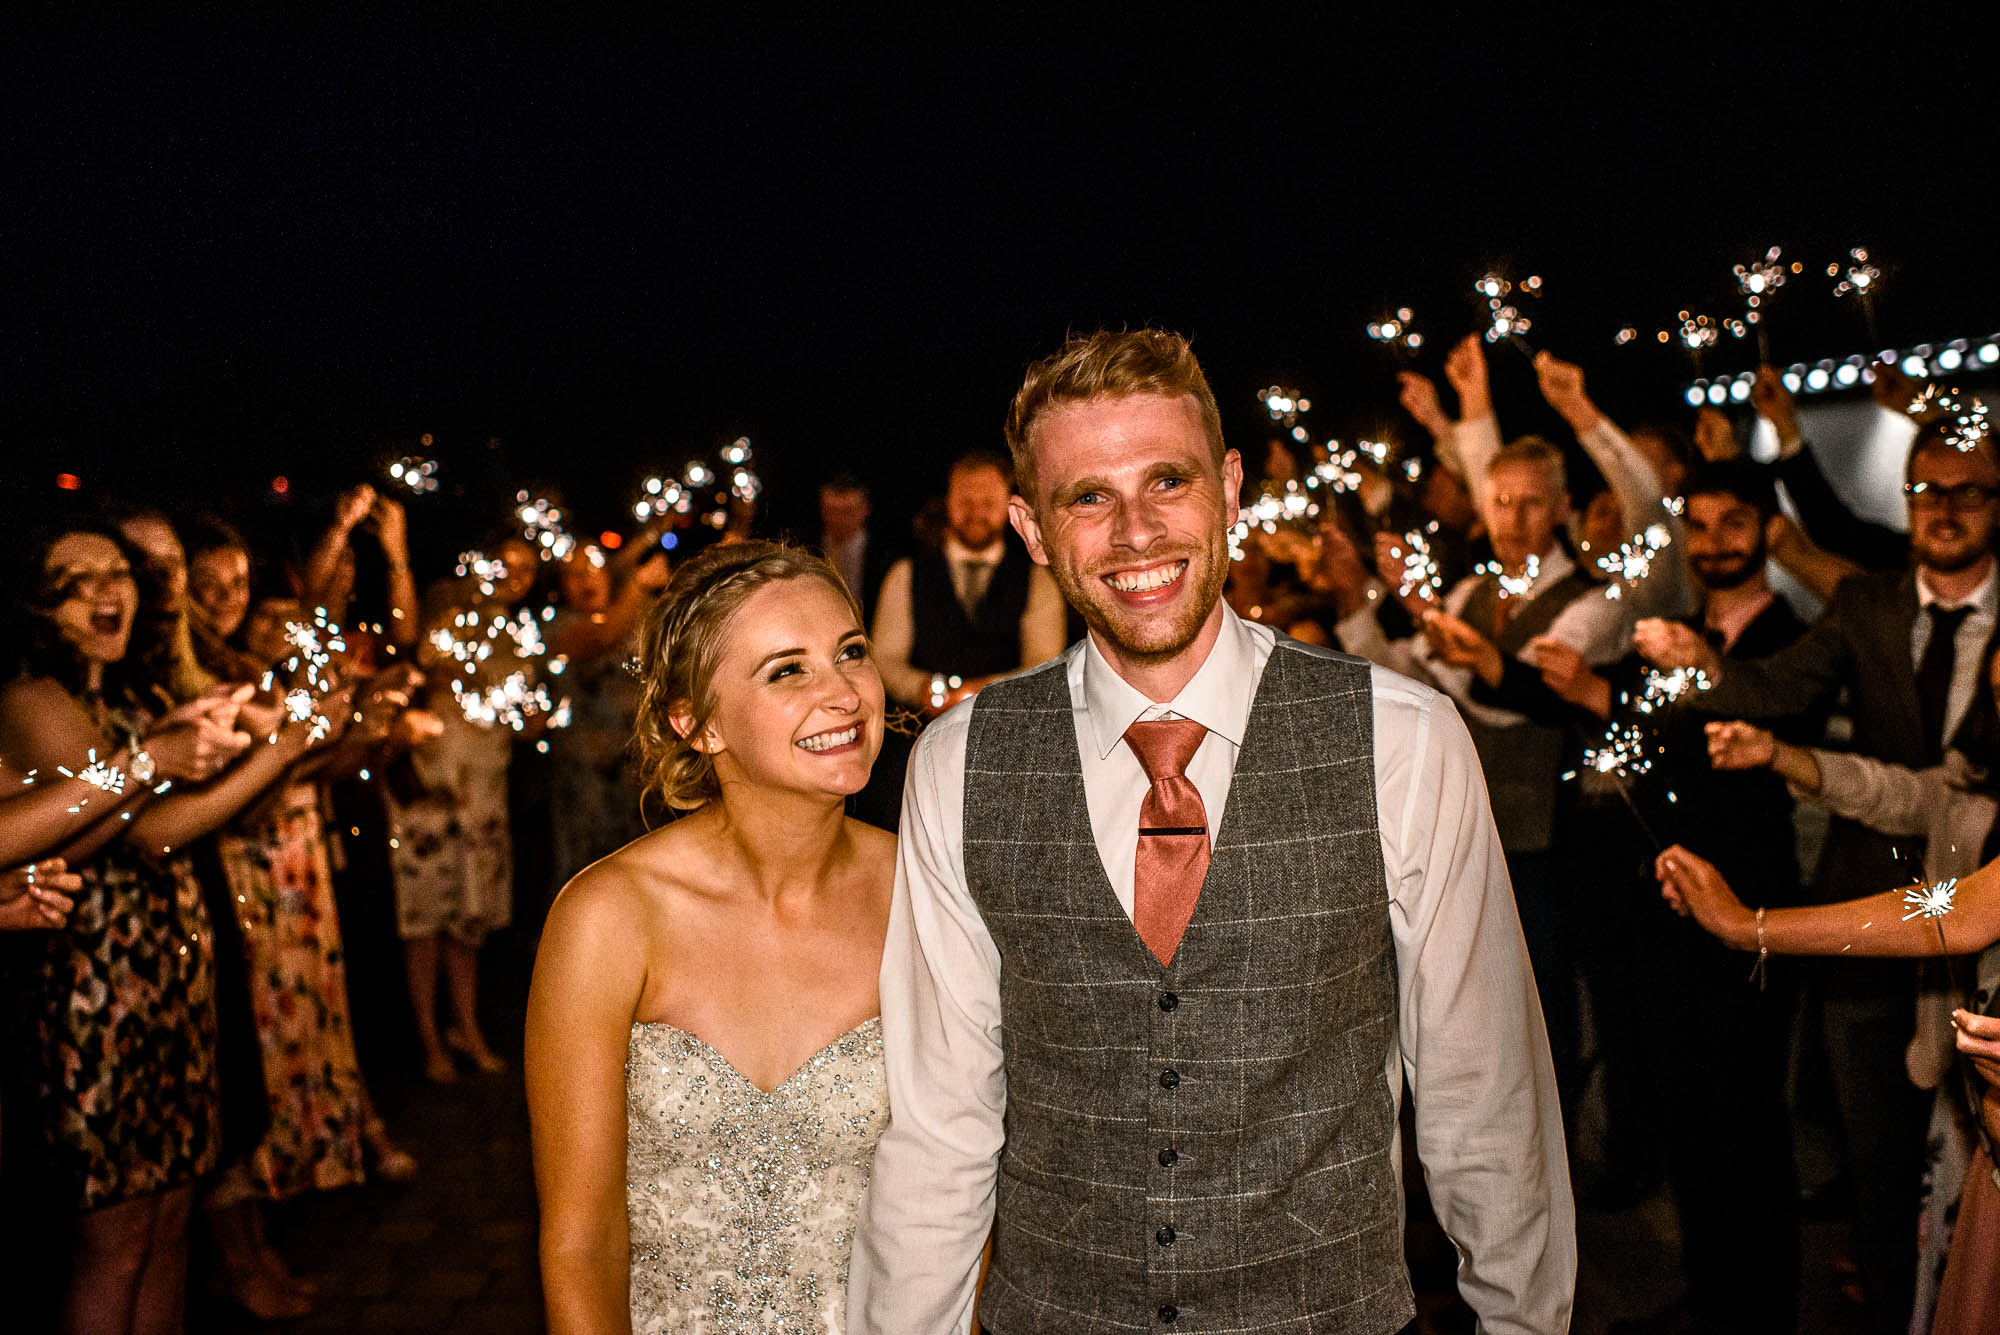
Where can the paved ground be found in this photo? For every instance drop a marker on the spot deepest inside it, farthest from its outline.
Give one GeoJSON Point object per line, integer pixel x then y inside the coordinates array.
{"type": "Point", "coordinates": [455, 1250]}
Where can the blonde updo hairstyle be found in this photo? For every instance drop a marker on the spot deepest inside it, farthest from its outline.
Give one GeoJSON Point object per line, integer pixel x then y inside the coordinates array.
{"type": "Point", "coordinates": [680, 645]}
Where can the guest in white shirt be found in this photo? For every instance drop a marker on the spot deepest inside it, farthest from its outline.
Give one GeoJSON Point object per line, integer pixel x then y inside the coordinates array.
{"type": "Point", "coordinates": [952, 620]}
{"type": "Point", "coordinates": [1157, 1016]}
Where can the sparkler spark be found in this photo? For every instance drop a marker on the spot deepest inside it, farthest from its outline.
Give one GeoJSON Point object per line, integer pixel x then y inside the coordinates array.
{"type": "Point", "coordinates": [1420, 569]}
{"type": "Point", "coordinates": [1513, 586]}
{"type": "Point", "coordinates": [415, 473]}
{"type": "Point", "coordinates": [1966, 419]}
{"type": "Point", "coordinates": [1930, 901]}
{"type": "Point", "coordinates": [1633, 561]}
{"type": "Point", "coordinates": [542, 525]}
{"type": "Point", "coordinates": [1395, 331]}
{"type": "Point", "coordinates": [1757, 281]}
{"type": "Point", "coordinates": [659, 497]}
{"type": "Point", "coordinates": [1284, 405]}
{"type": "Point", "coordinates": [1861, 278]}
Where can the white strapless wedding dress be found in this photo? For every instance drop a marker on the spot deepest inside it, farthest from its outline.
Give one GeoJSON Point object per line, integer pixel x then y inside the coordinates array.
{"type": "Point", "coordinates": [743, 1202]}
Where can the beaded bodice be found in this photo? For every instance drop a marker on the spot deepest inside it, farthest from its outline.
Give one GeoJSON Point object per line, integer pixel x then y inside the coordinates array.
{"type": "Point", "coordinates": [742, 1202]}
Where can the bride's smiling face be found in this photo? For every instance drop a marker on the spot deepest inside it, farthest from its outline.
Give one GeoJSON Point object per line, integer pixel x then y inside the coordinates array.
{"type": "Point", "coordinates": [798, 702]}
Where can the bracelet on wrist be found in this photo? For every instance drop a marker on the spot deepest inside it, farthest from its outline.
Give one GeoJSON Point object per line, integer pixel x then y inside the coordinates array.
{"type": "Point", "coordinates": [1760, 971]}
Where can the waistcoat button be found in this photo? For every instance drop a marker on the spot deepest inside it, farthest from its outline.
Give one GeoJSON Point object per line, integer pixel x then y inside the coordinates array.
{"type": "Point", "coordinates": [1169, 1078]}
{"type": "Point", "coordinates": [1169, 1157]}
{"type": "Point", "coordinates": [1168, 1001]}
{"type": "Point", "coordinates": [1168, 1314]}
{"type": "Point", "coordinates": [1165, 1237]}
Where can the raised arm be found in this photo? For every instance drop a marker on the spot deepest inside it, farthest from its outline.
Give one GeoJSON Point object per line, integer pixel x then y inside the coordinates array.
{"type": "Point", "coordinates": [1827, 519]}
{"type": "Point", "coordinates": [392, 530]}
{"type": "Point", "coordinates": [589, 980]}
{"type": "Point", "coordinates": [1488, 1122]}
{"type": "Point", "coordinates": [930, 1202]}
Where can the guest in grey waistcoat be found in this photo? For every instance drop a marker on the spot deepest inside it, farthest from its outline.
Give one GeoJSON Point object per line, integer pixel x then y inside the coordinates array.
{"type": "Point", "coordinates": [1176, 914]}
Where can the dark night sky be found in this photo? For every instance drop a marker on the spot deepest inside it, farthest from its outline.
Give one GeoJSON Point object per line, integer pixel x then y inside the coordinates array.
{"type": "Point", "coordinates": [237, 255]}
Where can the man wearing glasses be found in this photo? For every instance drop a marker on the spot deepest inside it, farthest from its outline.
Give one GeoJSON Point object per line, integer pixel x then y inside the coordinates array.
{"type": "Point", "coordinates": [1908, 648]}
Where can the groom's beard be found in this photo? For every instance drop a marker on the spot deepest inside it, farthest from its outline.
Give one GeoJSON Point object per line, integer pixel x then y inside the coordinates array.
{"type": "Point", "coordinates": [1153, 635]}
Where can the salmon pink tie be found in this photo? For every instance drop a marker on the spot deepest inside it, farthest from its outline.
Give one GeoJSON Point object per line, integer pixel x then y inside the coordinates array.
{"type": "Point", "coordinates": [1173, 834]}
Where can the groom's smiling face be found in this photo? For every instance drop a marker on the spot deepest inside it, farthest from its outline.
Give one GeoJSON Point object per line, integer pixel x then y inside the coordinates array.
{"type": "Point", "coordinates": [1130, 514]}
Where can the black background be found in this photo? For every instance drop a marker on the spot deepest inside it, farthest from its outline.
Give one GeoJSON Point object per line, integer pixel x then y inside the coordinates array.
{"type": "Point", "coordinates": [579, 253]}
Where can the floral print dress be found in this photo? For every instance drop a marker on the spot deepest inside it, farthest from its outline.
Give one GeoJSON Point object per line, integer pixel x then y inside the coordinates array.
{"type": "Point", "coordinates": [127, 1031]}
{"type": "Point", "coordinates": [281, 882]}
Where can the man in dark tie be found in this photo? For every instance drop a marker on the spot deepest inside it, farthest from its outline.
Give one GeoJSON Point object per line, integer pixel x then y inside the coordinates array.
{"type": "Point", "coordinates": [973, 609]}
{"type": "Point", "coordinates": [1176, 915]}
{"type": "Point", "coordinates": [1907, 648]}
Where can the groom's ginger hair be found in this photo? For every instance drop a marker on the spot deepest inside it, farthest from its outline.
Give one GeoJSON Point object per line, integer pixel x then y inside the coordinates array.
{"type": "Point", "coordinates": [1107, 365]}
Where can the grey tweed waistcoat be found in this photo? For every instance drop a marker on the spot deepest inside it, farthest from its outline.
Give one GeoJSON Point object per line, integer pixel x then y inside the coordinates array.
{"type": "Point", "coordinates": [1521, 759]}
{"type": "Point", "coordinates": [1203, 1147]}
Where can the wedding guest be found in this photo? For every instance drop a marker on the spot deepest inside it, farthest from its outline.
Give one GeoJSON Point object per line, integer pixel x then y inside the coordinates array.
{"type": "Point", "coordinates": [971, 610]}
{"type": "Point", "coordinates": [128, 1027]}
{"type": "Point", "coordinates": [861, 559]}
{"type": "Point", "coordinates": [451, 846]}
{"type": "Point", "coordinates": [1907, 647]}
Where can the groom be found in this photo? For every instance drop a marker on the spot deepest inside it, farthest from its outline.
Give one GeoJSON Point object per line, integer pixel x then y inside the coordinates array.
{"type": "Point", "coordinates": [1175, 915]}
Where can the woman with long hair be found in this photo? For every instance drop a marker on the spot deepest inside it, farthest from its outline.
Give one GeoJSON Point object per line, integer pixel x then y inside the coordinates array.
{"type": "Point", "coordinates": [127, 1081]}
{"type": "Point", "coordinates": [704, 1044]}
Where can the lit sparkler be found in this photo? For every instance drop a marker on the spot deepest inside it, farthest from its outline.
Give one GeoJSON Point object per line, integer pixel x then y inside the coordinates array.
{"type": "Point", "coordinates": [416, 474]}
{"type": "Point", "coordinates": [1930, 901]}
{"type": "Point", "coordinates": [659, 497]}
{"type": "Point", "coordinates": [1756, 281]}
{"type": "Point", "coordinates": [1420, 573]}
{"type": "Point", "coordinates": [1396, 332]}
{"type": "Point", "coordinates": [1697, 334]}
{"type": "Point", "coordinates": [1503, 319]}
{"type": "Point", "coordinates": [1621, 753]}
{"type": "Point", "coordinates": [1966, 418]}
{"type": "Point", "coordinates": [1858, 278]}
{"type": "Point", "coordinates": [308, 671]}
{"type": "Point", "coordinates": [1665, 688]}
{"type": "Point", "coordinates": [1284, 405]}
{"type": "Point", "coordinates": [1633, 561]}
{"type": "Point", "coordinates": [542, 525]}
{"type": "Point", "coordinates": [1513, 586]}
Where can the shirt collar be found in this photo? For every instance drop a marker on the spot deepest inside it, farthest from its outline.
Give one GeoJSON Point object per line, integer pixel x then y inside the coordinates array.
{"type": "Point", "coordinates": [1218, 696]}
{"type": "Point", "coordinates": [1985, 598]}
{"type": "Point", "coordinates": [957, 552]}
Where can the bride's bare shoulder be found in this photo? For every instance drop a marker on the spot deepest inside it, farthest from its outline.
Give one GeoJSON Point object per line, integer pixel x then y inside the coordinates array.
{"type": "Point", "coordinates": [628, 894]}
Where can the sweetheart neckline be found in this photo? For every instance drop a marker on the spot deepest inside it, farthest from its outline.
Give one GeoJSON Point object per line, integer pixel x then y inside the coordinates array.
{"type": "Point", "coordinates": [737, 1071]}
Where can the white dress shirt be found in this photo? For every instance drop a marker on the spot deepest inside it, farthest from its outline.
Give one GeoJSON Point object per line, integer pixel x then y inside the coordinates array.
{"type": "Point", "coordinates": [1469, 1026]}
{"type": "Point", "coordinates": [1044, 619]}
{"type": "Point", "coordinates": [1968, 647]}
{"type": "Point", "coordinates": [1597, 627]}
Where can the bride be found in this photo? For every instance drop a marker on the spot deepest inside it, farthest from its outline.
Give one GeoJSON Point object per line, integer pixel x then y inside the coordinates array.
{"type": "Point", "coordinates": [704, 1047]}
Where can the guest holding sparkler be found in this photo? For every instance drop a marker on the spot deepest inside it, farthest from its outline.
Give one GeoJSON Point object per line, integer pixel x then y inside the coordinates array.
{"type": "Point", "coordinates": [128, 1044]}
{"type": "Point", "coordinates": [1952, 807]}
{"type": "Point", "coordinates": [1950, 916]}
{"type": "Point", "coordinates": [592, 783]}
{"type": "Point", "coordinates": [321, 1130]}
{"type": "Point", "coordinates": [1693, 1062]}
{"type": "Point", "coordinates": [1535, 590]}
{"type": "Point", "coordinates": [452, 852]}
{"type": "Point", "coordinates": [1907, 648]}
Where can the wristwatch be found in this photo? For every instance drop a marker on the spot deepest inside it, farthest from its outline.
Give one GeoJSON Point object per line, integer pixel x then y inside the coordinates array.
{"type": "Point", "coordinates": [140, 766]}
